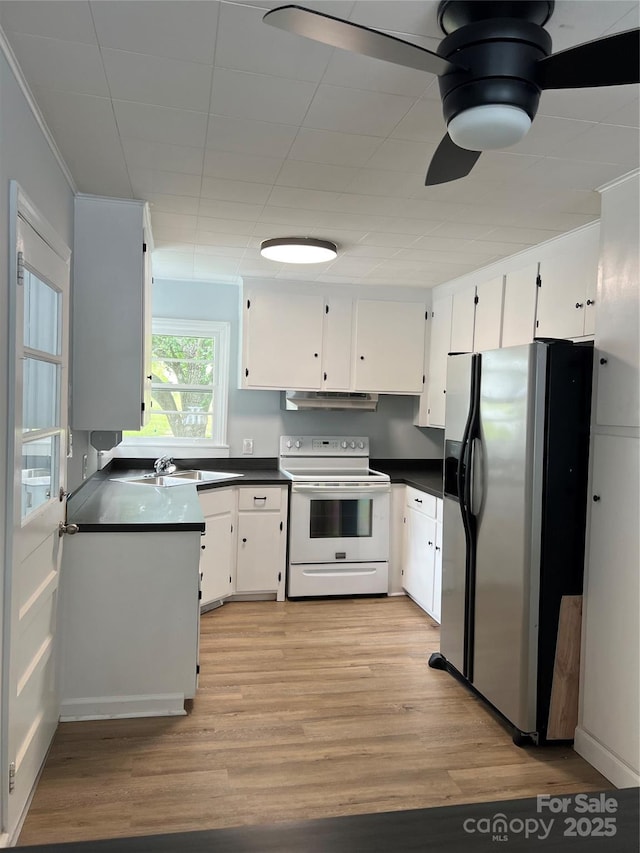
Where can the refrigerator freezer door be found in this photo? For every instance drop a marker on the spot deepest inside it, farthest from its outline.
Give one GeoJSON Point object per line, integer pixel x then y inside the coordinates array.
{"type": "Point", "coordinates": [512, 395]}
{"type": "Point", "coordinates": [452, 628]}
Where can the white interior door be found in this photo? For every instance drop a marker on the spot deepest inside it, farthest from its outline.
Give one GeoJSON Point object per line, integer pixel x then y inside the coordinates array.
{"type": "Point", "coordinates": [39, 288]}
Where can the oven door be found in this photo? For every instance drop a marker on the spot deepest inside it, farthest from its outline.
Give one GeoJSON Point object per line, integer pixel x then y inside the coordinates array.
{"type": "Point", "coordinates": [339, 522]}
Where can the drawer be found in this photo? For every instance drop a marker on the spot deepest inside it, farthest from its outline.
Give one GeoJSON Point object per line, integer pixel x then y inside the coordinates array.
{"type": "Point", "coordinates": [216, 501]}
{"type": "Point", "coordinates": [260, 497]}
{"type": "Point", "coordinates": [421, 501]}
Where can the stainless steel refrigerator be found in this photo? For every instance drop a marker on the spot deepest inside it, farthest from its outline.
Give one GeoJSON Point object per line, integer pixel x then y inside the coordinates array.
{"type": "Point", "coordinates": [515, 483]}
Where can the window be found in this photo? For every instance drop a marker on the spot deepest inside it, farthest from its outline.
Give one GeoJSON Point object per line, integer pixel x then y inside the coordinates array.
{"type": "Point", "coordinates": [190, 372]}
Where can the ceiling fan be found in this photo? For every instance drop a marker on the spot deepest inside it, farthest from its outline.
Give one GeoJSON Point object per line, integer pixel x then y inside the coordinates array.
{"type": "Point", "coordinates": [492, 66]}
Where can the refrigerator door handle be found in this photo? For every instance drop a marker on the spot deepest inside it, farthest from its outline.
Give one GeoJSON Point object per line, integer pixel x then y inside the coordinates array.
{"type": "Point", "coordinates": [476, 486]}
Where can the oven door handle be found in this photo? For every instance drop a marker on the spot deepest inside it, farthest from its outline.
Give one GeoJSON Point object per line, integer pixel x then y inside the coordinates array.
{"type": "Point", "coordinates": [361, 488]}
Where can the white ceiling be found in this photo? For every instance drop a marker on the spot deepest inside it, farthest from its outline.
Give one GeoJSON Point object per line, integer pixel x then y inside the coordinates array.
{"type": "Point", "coordinates": [236, 132]}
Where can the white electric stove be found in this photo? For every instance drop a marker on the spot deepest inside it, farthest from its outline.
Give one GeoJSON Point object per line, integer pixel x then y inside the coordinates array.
{"type": "Point", "coordinates": [339, 517]}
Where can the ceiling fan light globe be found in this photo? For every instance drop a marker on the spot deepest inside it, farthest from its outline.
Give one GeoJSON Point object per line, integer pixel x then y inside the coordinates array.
{"type": "Point", "coordinates": [298, 250]}
{"type": "Point", "coordinates": [489, 127]}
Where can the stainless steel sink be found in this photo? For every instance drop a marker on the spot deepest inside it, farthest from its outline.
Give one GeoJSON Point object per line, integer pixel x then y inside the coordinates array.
{"type": "Point", "coordinates": [180, 478]}
{"type": "Point", "coordinates": [204, 476]}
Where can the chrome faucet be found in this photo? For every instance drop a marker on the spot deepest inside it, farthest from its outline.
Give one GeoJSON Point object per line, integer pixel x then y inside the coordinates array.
{"type": "Point", "coordinates": [164, 465]}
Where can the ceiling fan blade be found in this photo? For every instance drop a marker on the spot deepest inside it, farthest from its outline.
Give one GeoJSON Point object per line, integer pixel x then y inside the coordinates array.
{"type": "Point", "coordinates": [358, 39]}
{"type": "Point", "coordinates": [609, 61]}
{"type": "Point", "coordinates": [449, 163]}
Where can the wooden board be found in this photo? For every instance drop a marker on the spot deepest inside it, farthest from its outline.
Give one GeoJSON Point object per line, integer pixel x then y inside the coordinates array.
{"type": "Point", "coordinates": [563, 708]}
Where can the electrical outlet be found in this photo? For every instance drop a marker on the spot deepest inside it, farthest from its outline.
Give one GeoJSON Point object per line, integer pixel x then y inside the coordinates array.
{"type": "Point", "coordinates": [247, 445]}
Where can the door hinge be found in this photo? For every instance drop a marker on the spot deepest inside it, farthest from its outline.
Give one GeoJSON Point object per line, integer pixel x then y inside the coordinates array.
{"type": "Point", "coordinates": [20, 270]}
{"type": "Point", "coordinates": [476, 299]}
{"type": "Point", "coordinates": [197, 669]}
{"type": "Point", "coordinates": [539, 280]}
{"type": "Point", "coordinates": [199, 594]}
{"type": "Point", "coordinates": [248, 303]}
{"type": "Point", "coordinates": [142, 406]}
{"type": "Point", "coordinates": [281, 525]}
{"type": "Point", "coordinates": [144, 247]}
{"type": "Point", "coordinates": [12, 776]}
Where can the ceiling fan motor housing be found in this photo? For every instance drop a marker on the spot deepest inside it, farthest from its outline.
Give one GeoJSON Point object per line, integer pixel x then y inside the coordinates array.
{"type": "Point", "coordinates": [497, 59]}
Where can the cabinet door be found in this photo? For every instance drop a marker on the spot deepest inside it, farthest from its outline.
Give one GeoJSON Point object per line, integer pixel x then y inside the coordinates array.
{"type": "Point", "coordinates": [611, 664]}
{"type": "Point", "coordinates": [438, 351]}
{"type": "Point", "coordinates": [437, 574]}
{"type": "Point", "coordinates": [216, 558]}
{"type": "Point", "coordinates": [419, 558]}
{"type": "Point", "coordinates": [462, 320]}
{"type": "Point", "coordinates": [618, 307]}
{"type": "Point", "coordinates": [389, 350]}
{"type": "Point", "coordinates": [337, 354]}
{"type": "Point", "coordinates": [259, 559]}
{"type": "Point", "coordinates": [519, 312]}
{"type": "Point", "coordinates": [109, 334]}
{"type": "Point", "coordinates": [565, 279]}
{"type": "Point", "coordinates": [282, 340]}
{"type": "Point", "coordinates": [488, 319]}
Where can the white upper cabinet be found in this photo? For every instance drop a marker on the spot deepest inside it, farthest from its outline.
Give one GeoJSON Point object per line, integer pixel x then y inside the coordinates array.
{"type": "Point", "coordinates": [282, 340]}
{"type": "Point", "coordinates": [438, 351]}
{"type": "Point", "coordinates": [311, 339]}
{"type": "Point", "coordinates": [337, 344]}
{"type": "Point", "coordinates": [567, 287]}
{"type": "Point", "coordinates": [519, 313]}
{"type": "Point", "coordinates": [111, 380]}
{"type": "Point", "coordinates": [462, 319]}
{"type": "Point", "coordinates": [476, 321]}
{"type": "Point", "coordinates": [487, 329]}
{"type": "Point", "coordinates": [618, 302]}
{"type": "Point", "coordinates": [389, 346]}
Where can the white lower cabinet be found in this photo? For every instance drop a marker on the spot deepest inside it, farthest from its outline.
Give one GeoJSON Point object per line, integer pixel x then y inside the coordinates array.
{"type": "Point", "coordinates": [217, 552]}
{"type": "Point", "coordinates": [243, 550]}
{"type": "Point", "coordinates": [422, 551]}
{"type": "Point", "coordinates": [129, 624]}
{"type": "Point", "coordinates": [262, 537]}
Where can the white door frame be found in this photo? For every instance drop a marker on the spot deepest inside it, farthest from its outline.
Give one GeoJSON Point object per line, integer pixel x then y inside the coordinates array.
{"type": "Point", "coordinates": [19, 206]}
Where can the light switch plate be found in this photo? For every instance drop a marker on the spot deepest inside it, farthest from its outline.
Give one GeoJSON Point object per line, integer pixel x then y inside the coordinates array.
{"type": "Point", "coordinates": [247, 445]}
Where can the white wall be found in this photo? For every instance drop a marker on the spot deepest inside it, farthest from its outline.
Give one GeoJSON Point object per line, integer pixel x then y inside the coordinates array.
{"type": "Point", "coordinates": [25, 157]}
{"type": "Point", "coordinates": [257, 414]}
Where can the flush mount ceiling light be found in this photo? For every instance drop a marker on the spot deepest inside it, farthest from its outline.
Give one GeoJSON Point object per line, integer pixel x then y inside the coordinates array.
{"type": "Point", "coordinates": [298, 250]}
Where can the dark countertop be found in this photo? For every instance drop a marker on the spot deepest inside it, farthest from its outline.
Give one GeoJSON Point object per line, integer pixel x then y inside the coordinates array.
{"type": "Point", "coordinates": [424, 475]}
{"type": "Point", "coordinates": [104, 505]}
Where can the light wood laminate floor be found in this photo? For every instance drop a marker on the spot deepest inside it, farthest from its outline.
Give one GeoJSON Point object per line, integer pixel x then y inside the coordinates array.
{"type": "Point", "coordinates": [305, 709]}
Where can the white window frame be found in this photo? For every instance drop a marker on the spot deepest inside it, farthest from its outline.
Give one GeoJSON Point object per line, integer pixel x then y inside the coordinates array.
{"type": "Point", "coordinates": [141, 446]}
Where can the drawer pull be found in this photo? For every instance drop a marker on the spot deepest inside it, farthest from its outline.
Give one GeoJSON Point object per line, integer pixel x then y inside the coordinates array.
{"type": "Point", "coordinates": [418, 500]}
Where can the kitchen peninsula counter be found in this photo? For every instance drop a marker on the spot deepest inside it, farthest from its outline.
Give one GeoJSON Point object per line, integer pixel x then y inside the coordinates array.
{"type": "Point", "coordinates": [103, 504]}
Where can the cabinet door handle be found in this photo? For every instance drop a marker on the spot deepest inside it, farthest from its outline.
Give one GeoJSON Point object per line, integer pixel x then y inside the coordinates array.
{"type": "Point", "coordinates": [150, 376]}
{"type": "Point", "coordinates": [259, 499]}
{"type": "Point", "coordinates": [437, 547]}
{"type": "Point", "coordinates": [603, 361]}
{"type": "Point", "coordinates": [579, 304]}
{"type": "Point", "coordinates": [429, 542]}
{"type": "Point", "coordinates": [418, 500]}
{"type": "Point", "coordinates": [203, 547]}
{"type": "Point", "coordinates": [596, 498]}
{"type": "Point", "coordinates": [315, 355]}
{"type": "Point", "coordinates": [244, 540]}
{"type": "Point", "coordinates": [361, 358]}
{"type": "Point", "coordinates": [591, 301]}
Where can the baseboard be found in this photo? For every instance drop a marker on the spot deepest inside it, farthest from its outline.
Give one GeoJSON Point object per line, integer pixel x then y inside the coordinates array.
{"type": "Point", "coordinates": [117, 707]}
{"type": "Point", "coordinates": [605, 762]}
{"type": "Point", "coordinates": [4, 840]}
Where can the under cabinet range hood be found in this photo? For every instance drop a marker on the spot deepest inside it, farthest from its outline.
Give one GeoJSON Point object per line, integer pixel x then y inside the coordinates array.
{"type": "Point", "coordinates": [333, 401]}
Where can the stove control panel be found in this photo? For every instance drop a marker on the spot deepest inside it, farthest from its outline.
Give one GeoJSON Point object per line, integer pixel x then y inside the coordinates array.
{"type": "Point", "coordinates": [324, 445]}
